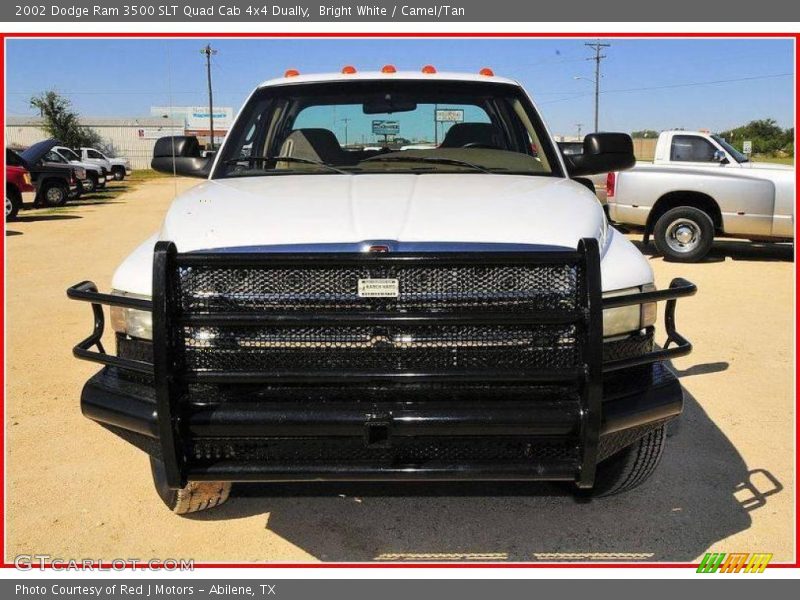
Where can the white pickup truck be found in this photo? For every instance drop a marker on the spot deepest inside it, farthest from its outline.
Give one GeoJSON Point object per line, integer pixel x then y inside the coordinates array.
{"type": "Point", "coordinates": [699, 186]}
{"type": "Point", "coordinates": [118, 167]}
{"type": "Point", "coordinates": [315, 310]}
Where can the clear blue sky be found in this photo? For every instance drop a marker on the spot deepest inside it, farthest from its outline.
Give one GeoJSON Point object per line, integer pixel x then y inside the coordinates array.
{"type": "Point", "coordinates": [125, 77]}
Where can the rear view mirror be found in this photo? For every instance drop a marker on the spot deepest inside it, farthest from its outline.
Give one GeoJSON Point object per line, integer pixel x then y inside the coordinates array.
{"type": "Point", "coordinates": [180, 154]}
{"type": "Point", "coordinates": [388, 106]}
{"type": "Point", "coordinates": [602, 152]}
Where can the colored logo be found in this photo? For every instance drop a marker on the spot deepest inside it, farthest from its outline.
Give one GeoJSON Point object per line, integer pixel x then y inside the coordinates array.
{"type": "Point", "coordinates": [734, 562]}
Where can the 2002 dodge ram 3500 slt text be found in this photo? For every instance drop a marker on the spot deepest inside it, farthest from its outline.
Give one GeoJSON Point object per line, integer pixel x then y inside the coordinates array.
{"type": "Point", "coordinates": [320, 309]}
{"type": "Point", "coordinates": [699, 186]}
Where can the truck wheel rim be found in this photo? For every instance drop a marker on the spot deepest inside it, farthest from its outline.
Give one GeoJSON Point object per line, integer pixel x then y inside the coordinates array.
{"type": "Point", "coordinates": [9, 206]}
{"type": "Point", "coordinates": [683, 235]}
{"type": "Point", "coordinates": [54, 195]}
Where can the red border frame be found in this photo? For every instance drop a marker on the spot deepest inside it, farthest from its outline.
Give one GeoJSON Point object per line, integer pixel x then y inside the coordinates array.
{"type": "Point", "coordinates": [421, 35]}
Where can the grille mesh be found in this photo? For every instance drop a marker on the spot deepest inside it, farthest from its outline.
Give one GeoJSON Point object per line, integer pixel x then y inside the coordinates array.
{"type": "Point", "coordinates": [500, 287]}
{"type": "Point", "coordinates": [380, 348]}
{"type": "Point", "coordinates": [404, 451]}
{"type": "Point", "coordinates": [203, 289]}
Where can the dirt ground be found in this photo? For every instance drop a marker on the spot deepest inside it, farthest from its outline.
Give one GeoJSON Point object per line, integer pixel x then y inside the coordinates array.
{"type": "Point", "coordinates": [76, 491]}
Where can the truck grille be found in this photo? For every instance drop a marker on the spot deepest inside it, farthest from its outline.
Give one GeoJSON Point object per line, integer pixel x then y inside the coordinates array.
{"type": "Point", "coordinates": [449, 317]}
{"type": "Point", "coordinates": [379, 348]}
{"type": "Point", "coordinates": [454, 287]}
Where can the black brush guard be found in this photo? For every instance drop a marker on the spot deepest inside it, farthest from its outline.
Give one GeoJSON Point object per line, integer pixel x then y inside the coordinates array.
{"type": "Point", "coordinates": [270, 367]}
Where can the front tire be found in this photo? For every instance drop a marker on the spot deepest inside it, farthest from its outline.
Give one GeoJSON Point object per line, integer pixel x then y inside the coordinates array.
{"type": "Point", "coordinates": [55, 194]}
{"type": "Point", "coordinates": [119, 173]}
{"type": "Point", "coordinates": [90, 184]}
{"type": "Point", "coordinates": [631, 466]}
{"type": "Point", "coordinates": [13, 204]}
{"type": "Point", "coordinates": [194, 497]}
{"type": "Point", "coordinates": [684, 234]}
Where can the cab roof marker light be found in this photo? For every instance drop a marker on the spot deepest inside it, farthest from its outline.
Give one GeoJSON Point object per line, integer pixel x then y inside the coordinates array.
{"type": "Point", "coordinates": [429, 69]}
{"type": "Point", "coordinates": [486, 72]}
{"type": "Point", "coordinates": [388, 69]}
{"type": "Point", "coordinates": [291, 73]}
{"type": "Point", "coordinates": [348, 70]}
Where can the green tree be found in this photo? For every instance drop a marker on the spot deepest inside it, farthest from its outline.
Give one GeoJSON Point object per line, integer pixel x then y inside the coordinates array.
{"type": "Point", "coordinates": [644, 133]}
{"type": "Point", "coordinates": [767, 136]}
{"type": "Point", "coordinates": [61, 121]}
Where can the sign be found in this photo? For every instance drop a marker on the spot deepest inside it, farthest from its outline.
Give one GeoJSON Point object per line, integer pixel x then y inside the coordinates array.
{"type": "Point", "coordinates": [449, 115]}
{"type": "Point", "coordinates": [153, 133]}
{"type": "Point", "coordinates": [386, 127]}
{"type": "Point", "coordinates": [747, 147]}
{"type": "Point", "coordinates": [197, 117]}
{"type": "Point", "coordinates": [378, 288]}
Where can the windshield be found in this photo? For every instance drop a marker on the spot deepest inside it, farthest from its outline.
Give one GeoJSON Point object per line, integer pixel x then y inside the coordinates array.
{"type": "Point", "coordinates": [378, 127]}
{"type": "Point", "coordinates": [69, 154]}
{"type": "Point", "coordinates": [737, 156]}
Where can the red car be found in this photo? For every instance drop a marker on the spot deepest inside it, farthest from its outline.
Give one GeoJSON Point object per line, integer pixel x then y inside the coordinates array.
{"type": "Point", "coordinates": [19, 188]}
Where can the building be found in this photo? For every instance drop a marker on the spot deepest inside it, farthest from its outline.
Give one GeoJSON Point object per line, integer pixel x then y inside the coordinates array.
{"type": "Point", "coordinates": [132, 138]}
{"type": "Point", "coordinates": [197, 122]}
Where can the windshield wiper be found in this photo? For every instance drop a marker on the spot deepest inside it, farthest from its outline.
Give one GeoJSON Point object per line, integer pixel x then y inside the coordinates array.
{"type": "Point", "coordinates": [431, 159]}
{"type": "Point", "coordinates": [296, 159]}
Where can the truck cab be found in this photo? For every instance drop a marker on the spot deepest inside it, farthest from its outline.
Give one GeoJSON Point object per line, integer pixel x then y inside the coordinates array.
{"type": "Point", "coordinates": [323, 306]}
{"type": "Point", "coordinates": [118, 167]}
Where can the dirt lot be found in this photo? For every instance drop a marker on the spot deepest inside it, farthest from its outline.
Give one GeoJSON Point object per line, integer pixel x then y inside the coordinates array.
{"type": "Point", "coordinates": [74, 490]}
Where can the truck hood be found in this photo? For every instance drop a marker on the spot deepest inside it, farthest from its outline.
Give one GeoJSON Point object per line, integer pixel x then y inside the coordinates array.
{"type": "Point", "coordinates": [256, 212]}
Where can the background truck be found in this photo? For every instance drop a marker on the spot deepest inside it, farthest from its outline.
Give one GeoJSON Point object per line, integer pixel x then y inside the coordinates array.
{"type": "Point", "coordinates": [118, 167]}
{"type": "Point", "coordinates": [95, 174]}
{"type": "Point", "coordinates": [315, 310]}
{"type": "Point", "coordinates": [19, 186]}
{"type": "Point", "coordinates": [55, 179]}
{"type": "Point", "coordinates": [697, 187]}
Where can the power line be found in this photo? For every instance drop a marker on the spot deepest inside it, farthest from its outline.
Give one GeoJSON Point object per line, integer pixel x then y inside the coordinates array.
{"type": "Point", "coordinates": [670, 86]}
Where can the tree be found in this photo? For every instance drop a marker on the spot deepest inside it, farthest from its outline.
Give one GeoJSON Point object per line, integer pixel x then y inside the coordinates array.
{"type": "Point", "coordinates": [62, 122]}
{"type": "Point", "coordinates": [645, 133]}
{"type": "Point", "coordinates": [767, 136]}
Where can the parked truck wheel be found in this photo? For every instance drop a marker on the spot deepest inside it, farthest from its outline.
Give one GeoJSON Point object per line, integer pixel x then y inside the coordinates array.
{"type": "Point", "coordinates": [13, 204]}
{"type": "Point", "coordinates": [54, 194]}
{"type": "Point", "coordinates": [630, 467]}
{"type": "Point", "coordinates": [118, 173]}
{"type": "Point", "coordinates": [89, 184]}
{"type": "Point", "coordinates": [194, 497]}
{"type": "Point", "coordinates": [684, 234]}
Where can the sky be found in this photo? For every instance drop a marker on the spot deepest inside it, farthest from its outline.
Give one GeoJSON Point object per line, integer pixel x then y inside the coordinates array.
{"type": "Point", "coordinates": [645, 84]}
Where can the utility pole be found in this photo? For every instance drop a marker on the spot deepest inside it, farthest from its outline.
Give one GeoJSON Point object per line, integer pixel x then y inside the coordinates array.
{"type": "Point", "coordinates": [579, 126]}
{"type": "Point", "coordinates": [345, 120]}
{"type": "Point", "coordinates": [209, 51]}
{"type": "Point", "coordinates": [598, 48]}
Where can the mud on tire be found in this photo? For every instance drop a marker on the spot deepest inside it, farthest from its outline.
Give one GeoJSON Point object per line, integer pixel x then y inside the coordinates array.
{"type": "Point", "coordinates": [194, 497]}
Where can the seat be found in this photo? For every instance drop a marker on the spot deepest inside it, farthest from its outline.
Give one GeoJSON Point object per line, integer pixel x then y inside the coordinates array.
{"type": "Point", "coordinates": [461, 134]}
{"type": "Point", "coordinates": [318, 144]}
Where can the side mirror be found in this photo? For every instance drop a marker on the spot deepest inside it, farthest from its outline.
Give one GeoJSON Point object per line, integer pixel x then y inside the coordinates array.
{"type": "Point", "coordinates": [180, 154]}
{"type": "Point", "coordinates": [602, 152]}
{"type": "Point", "coordinates": [721, 157]}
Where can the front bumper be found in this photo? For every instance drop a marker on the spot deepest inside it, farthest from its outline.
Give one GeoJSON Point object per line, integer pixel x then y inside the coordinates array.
{"type": "Point", "coordinates": [383, 439]}
{"type": "Point", "coordinates": [509, 393]}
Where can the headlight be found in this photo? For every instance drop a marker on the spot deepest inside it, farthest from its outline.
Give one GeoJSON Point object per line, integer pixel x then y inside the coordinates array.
{"type": "Point", "coordinates": [132, 322]}
{"type": "Point", "coordinates": [627, 319]}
